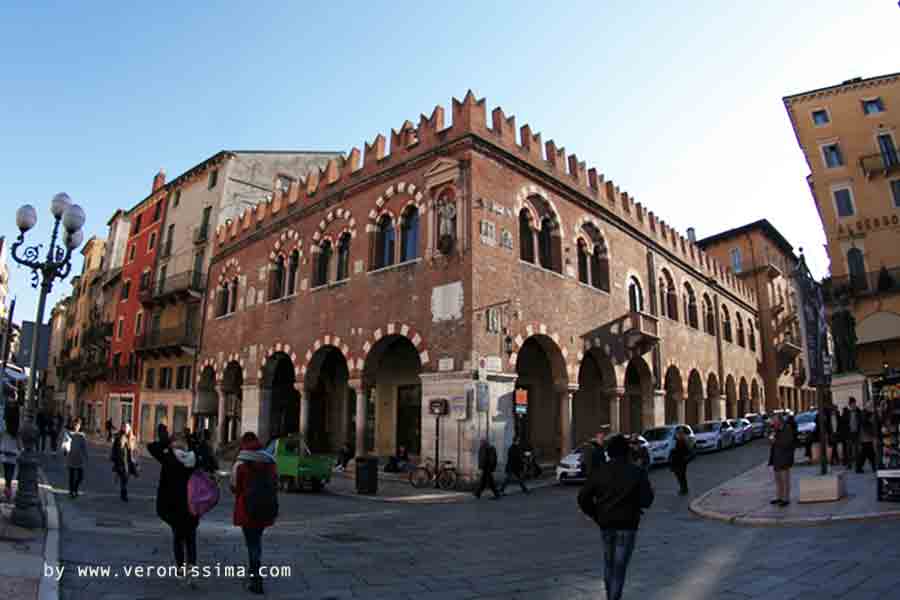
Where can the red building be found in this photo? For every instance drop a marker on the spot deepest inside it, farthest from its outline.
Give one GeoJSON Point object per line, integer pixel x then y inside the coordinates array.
{"type": "Point", "coordinates": [140, 257]}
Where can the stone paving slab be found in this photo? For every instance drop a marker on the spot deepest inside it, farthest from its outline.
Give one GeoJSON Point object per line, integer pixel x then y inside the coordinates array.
{"type": "Point", "coordinates": [21, 558]}
{"type": "Point", "coordinates": [745, 500]}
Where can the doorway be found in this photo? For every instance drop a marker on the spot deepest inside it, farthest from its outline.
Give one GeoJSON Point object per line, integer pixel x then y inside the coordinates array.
{"type": "Point", "coordinates": [409, 418]}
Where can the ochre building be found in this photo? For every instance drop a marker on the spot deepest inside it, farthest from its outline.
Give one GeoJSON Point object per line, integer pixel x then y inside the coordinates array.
{"type": "Point", "coordinates": [475, 267]}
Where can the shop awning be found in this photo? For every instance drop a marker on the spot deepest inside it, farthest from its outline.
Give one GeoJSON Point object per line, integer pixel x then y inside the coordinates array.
{"type": "Point", "coordinates": [878, 327]}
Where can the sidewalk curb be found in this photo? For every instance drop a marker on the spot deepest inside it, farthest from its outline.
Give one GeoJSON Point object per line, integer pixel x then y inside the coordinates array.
{"type": "Point", "coordinates": [445, 498]}
{"type": "Point", "coordinates": [48, 587]}
{"type": "Point", "coordinates": [740, 518]}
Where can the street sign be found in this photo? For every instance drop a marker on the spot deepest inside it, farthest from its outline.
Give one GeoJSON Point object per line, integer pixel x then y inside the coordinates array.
{"type": "Point", "coordinates": [438, 407]}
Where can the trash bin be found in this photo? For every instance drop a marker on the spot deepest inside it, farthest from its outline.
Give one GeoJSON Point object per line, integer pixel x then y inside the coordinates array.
{"type": "Point", "coordinates": [366, 475]}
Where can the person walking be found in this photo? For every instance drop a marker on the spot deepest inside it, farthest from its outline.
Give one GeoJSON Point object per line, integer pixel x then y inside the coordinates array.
{"type": "Point", "coordinates": [614, 497]}
{"type": "Point", "coordinates": [594, 454]}
{"type": "Point", "coordinates": [866, 450]}
{"type": "Point", "coordinates": [781, 459]}
{"type": "Point", "coordinates": [681, 455]}
{"type": "Point", "coordinates": [9, 449]}
{"type": "Point", "coordinates": [178, 463]}
{"type": "Point", "coordinates": [122, 457]}
{"type": "Point", "coordinates": [835, 441]}
{"type": "Point", "coordinates": [854, 431]}
{"type": "Point", "coordinates": [515, 466]}
{"type": "Point", "coordinates": [75, 449]}
{"type": "Point", "coordinates": [109, 430]}
{"type": "Point", "coordinates": [254, 483]}
{"type": "Point", "coordinates": [54, 429]}
{"type": "Point", "coordinates": [487, 463]}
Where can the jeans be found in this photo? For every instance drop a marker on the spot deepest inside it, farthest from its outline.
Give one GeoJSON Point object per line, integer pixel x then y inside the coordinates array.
{"type": "Point", "coordinates": [253, 537]}
{"type": "Point", "coordinates": [76, 476]}
{"type": "Point", "coordinates": [510, 477]}
{"type": "Point", "coordinates": [866, 453]}
{"type": "Point", "coordinates": [487, 481]}
{"type": "Point", "coordinates": [680, 471]}
{"type": "Point", "coordinates": [618, 545]}
{"type": "Point", "coordinates": [185, 538]}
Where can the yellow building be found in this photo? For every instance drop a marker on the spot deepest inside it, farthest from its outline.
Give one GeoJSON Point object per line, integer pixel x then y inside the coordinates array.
{"type": "Point", "coordinates": [849, 135]}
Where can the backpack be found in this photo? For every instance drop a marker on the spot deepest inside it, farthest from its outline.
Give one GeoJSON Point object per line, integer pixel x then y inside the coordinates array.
{"type": "Point", "coordinates": [203, 493]}
{"type": "Point", "coordinates": [261, 500]}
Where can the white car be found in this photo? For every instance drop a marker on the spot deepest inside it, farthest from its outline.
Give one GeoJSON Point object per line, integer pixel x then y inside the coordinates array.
{"type": "Point", "coordinates": [757, 424]}
{"type": "Point", "coordinates": [743, 431]}
{"type": "Point", "coordinates": [571, 467]}
{"type": "Point", "coordinates": [713, 435]}
{"type": "Point", "coordinates": [661, 442]}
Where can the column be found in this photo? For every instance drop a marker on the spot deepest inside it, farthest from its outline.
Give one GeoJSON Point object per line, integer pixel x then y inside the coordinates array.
{"type": "Point", "coordinates": [722, 406]}
{"type": "Point", "coordinates": [255, 410]}
{"type": "Point", "coordinates": [361, 416]}
{"type": "Point", "coordinates": [566, 399]}
{"type": "Point", "coordinates": [682, 408]}
{"type": "Point", "coordinates": [221, 431]}
{"type": "Point", "coordinates": [304, 409]}
{"type": "Point", "coordinates": [617, 400]}
{"type": "Point", "coordinates": [656, 416]}
{"type": "Point", "coordinates": [701, 410]}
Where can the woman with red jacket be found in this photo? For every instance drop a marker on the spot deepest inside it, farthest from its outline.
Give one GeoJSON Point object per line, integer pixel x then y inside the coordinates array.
{"type": "Point", "coordinates": [255, 486]}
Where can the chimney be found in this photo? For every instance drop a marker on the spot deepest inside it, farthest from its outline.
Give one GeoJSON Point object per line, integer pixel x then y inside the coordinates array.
{"type": "Point", "coordinates": [692, 235]}
{"type": "Point", "coordinates": [159, 180]}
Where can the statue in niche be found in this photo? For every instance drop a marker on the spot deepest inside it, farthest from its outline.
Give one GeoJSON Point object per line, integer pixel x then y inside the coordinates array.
{"type": "Point", "coordinates": [446, 211]}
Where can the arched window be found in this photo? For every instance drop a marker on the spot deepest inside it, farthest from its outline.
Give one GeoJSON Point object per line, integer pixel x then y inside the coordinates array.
{"type": "Point", "coordinates": [409, 233]}
{"type": "Point", "coordinates": [232, 305]}
{"type": "Point", "coordinates": [384, 243]}
{"type": "Point", "coordinates": [583, 275]}
{"type": "Point", "coordinates": [293, 265]}
{"type": "Point", "coordinates": [545, 243]}
{"type": "Point", "coordinates": [709, 316]}
{"type": "Point", "coordinates": [857, 269]}
{"type": "Point", "coordinates": [526, 237]}
{"type": "Point", "coordinates": [740, 329]}
{"type": "Point", "coordinates": [668, 299]}
{"type": "Point", "coordinates": [222, 300]}
{"type": "Point", "coordinates": [690, 306]}
{"type": "Point", "coordinates": [751, 334]}
{"type": "Point", "coordinates": [343, 265]}
{"type": "Point", "coordinates": [726, 325]}
{"type": "Point", "coordinates": [600, 268]}
{"type": "Point", "coordinates": [635, 295]}
{"type": "Point", "coordinates": [276, 279]}
{"type": "Point", "coordinates": [323, 262]}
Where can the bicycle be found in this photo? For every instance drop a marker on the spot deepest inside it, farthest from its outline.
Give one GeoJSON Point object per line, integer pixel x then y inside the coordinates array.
{"type": "Point", "coordinates": [445, 477]}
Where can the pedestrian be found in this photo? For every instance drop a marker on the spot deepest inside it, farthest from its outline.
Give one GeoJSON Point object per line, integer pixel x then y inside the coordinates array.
{"type": "Point", "coordinates": [43, 426]}
{"type": "Point", "coordinates": [54, 429]}
{"type": "Point", "coordinates": [9, 449]}
{"type": "Point", "coordinates": [681, 455]}
{"type": "Point", "coordinates": [640, 456]}
{"type": "Point", "coordinates": [781, 459]}
{"type": "Point", "coordinates": [615, 497]}
{"type": "Point", "coordinates": [866, 450]}
{"type": "Point", "coordinates": [835, 442]}
{"type": "Point", "coordinates": [122, 457]}
{"type": "Point", "coordinates": [515, 466]}
{"type": "Point", "coordinates": [206, 457]}
{"type": "Point", "coordinates": [345, 453]}
{"type": "Point", "coordinates": [854, 431]}
{"type": "Point", "coordinates": [487, 463]}
{"type": "Point", "coordinates": [594, 453]}
{"type": "Point", "coordinates": [75, 449]}
{"type": "Point", "coordinates": [178, 464]}
{"type": "Point", "coordinates": [109, 430]}
{"type": "Point", "coordinates": [254, 482]}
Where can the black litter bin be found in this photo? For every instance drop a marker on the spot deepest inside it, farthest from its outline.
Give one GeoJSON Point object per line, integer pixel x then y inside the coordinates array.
{"type": "Point", "coordinates": [367, 475]}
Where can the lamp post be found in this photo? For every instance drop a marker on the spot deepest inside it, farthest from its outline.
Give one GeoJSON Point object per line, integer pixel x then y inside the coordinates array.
{"type": "Point", "coordinates": [57, 264]}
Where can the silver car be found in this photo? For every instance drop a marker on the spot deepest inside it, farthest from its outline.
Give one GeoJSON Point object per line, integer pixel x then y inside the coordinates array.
{"type": "Point", "coordinates": [710, 436]}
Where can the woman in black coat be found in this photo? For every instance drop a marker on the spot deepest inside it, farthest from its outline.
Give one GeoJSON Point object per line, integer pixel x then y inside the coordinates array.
{"type": "Point", "coordinates": [781, 459]}
{"type": "Point", "coordinates": [178, 464]}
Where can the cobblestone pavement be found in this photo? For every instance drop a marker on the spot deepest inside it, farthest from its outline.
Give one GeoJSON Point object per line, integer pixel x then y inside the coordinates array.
{"type": "Point", "coordinates": [521, 547]}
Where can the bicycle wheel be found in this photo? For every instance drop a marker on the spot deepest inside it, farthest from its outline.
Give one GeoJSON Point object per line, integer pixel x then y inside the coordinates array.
{"type": "Point", "coordinates": [420, 477]}
{"type": "Point", "coordinates": [447, 480]}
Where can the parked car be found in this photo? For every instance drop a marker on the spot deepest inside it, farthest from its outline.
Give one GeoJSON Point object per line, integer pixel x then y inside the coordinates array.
{"type": "Point", "coordinates": [743, 431]}
{"type": "Point", "coordinates": [297, 465]}
{"type": "Point", "coordinates": [661, 442]}
{"type": "Point", "coordinates": [806, 426]}
{"type": "Point", "coordinates": [713, 435]}
{"type": "Point", "coordinates": [757, 424]}
{"type": "Point", "coordinates": [571, 467]}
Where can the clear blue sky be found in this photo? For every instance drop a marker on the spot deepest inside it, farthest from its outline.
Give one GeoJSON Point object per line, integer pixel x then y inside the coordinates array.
{"type": "Point", "coordinates": [678, 102]}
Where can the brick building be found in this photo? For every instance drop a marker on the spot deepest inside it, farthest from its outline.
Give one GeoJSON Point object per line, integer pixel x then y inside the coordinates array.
{"type": "Point", "coordinates": [474, 266]}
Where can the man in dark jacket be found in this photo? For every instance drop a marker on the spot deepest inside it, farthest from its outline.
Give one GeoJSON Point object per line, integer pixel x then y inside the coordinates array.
{"type": "Point", "coordinates": [614, 497]}
{"type": "Point", "coordinates": [487, 463]}
{"type": "Point", "coordinates": [514, 467]}
{"type": "Point", "coordinates": [594, 454]}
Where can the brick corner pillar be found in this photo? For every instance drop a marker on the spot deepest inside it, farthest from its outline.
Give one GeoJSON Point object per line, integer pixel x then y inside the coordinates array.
{"type": "Point", "coordinates": [304, 409]}
{"type": "Point", "coordinates": [361, 416]}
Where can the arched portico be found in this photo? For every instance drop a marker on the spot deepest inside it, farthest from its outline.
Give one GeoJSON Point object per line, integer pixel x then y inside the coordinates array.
{"type": "Point", "coordinates": [743, 398]}
{"type": "Point", "coordinates": [233, 405]}
{"type": "Point", "coordinates": [695, 406]}
{"type": "Point", "coordinates": [541, 391]}
{"type": "Point", "coordinates": [755, 399]}
{"type": "Point", "coordinates": [328, 404]}
{"type": "Point", "coordinates": [674, 396]}
{"type": "Point", "coordinates": [280, 400]}
{"type": "Point", "coordinates": [712, 407]}
{"type": "Point", "coordinates": [592, 406]}
{"type": "Point", "coordinates": [637, 412]}
{"type": "Point", "coordinates": [730, 398]}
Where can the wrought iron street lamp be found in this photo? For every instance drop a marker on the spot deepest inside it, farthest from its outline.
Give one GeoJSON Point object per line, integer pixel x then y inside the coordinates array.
{"type": "Point", "coordinates": [56, 264]}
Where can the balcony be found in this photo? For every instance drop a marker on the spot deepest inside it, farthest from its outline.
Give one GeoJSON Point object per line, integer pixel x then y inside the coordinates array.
{"type": "Point", "coordinates": [183, 287]}
{"type": "Point", "coordinates": [882, 163]}
{"type": "Point", "coordinates": [641, 331]}
{"type": "Point", "coordinates": [172, 341]}
{"type": "Point", "coordinates": [873, 283]}
{"type": "Point", "coordinates": [97, 335]}
{"type": "Point", "coordinates": [785, 352]}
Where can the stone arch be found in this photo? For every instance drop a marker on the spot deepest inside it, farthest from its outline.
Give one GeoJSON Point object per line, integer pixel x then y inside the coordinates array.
{"type": "Point", "coordinates": [541, 205]}
{"type": "Point", "coordinates": [206, 400]}
{"type": "Point", "coordinates": [668, 294]}
{"type": "Point", "coordinates": [273, 349]}
{"type": "Point", "coordinates": [642, 288]}
{"type": "Point", "coordinates": [230, 270]}
{"type": "Point", "coordinates": [712, 408]}
{"type": "Point", "coordinates": [233, 390]}
{"type": "Point", "coordinates": [280, 401]}
{"type": "Point", "coordinates": [730, 397]}
{"type": "Point", "coordinates": [694, 412]}
{"type": "Point", "coordinates": [287, 242]}
{"type": "Point", "coordinates": [755, 398]}
{"type": "Point", "coordinates": [390, 329]}
{"type": "Point", "coordinates": [592, 405]}
{"type": "Point", "coordinates": [561, 371]}
{"type": "Point", "coordinates": [744, 406]}
{"type": "Point", "coordinates": [326, 423]}
{"type": "Point", "coordinates": [326, 340]}
{"type": "Point", "coordinates": [674, 386]}
{"type": "Point", "coordinates": [637, 409]}
{"type": "Point", "coordinates": [344, 219]}
{"type": "Point", "coordinates": [401, 187]}
{"type": "Point", "coordinates": [541, 377]}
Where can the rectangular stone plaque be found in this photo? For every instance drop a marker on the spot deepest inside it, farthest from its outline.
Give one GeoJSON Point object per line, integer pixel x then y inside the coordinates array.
{"type": "Point", "coordinates": [445, 364]}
